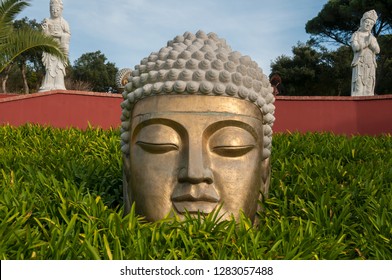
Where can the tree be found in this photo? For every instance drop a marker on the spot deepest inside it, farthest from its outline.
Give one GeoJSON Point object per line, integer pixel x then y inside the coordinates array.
{"type": "Point", "coordinates": [300, 72]}
{"type": "Point", "coordinates": [313, 70]}
{"type": "Point", "coordinates": [13, 42]}
{"type": "Point", "coordinates": [384, 66]}
{"type": "Point", "coordinates": [4, 76]}
{"type": "Point", "coordinates": [30, 62]}
{"type": "Point", "coordinates": [93, 68]}
{"type": "Point", "coordinates": [338, 19]}
{"type": "Point", "coordinates": [337, 76]}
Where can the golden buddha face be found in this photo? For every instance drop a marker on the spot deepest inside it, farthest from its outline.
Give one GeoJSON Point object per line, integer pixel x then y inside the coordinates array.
{"type": "Point", "coordinates": [194, 153]}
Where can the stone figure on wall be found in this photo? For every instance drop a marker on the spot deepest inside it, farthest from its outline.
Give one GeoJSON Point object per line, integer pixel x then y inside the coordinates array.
{"type": "Point", "coordinates": [196, 131]}
{"type": "Point", "coordinates": [57, 27]}
{"type": "Point", "coordinates": [365, 48]}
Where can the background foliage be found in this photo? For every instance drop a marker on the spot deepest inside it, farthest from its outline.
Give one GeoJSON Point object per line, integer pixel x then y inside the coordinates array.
{"type": "Point", "coordinates": [95, 69]}
{"type": "Point", "coordinates": [315, 69]}
{"type": "Point", "coordinates": [27, 70]}
{"type": "Point", "coordinates": [60, 198]}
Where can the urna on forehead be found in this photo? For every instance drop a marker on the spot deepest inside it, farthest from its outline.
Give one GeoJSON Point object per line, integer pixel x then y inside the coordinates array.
{"type": "Point", "coordinates": [199, 64]}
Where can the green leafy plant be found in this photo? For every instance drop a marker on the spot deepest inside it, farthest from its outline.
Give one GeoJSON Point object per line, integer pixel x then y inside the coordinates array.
{"type": "Point", "coordinates": [61, 198]}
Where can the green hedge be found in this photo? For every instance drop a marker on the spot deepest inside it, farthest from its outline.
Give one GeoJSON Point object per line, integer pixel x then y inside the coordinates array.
{"type": "Point", "coordinates": [60, 198]}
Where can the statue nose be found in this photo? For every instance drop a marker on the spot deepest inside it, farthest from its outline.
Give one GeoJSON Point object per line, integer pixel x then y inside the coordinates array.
{"type": "Point", "coordinates": [195, 176]}
{"type": "Point", "coordinates": [195, 168]}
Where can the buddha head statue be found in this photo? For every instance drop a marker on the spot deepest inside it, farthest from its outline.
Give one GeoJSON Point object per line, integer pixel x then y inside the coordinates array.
{"type": "Point", "coordinates": [196, 131]}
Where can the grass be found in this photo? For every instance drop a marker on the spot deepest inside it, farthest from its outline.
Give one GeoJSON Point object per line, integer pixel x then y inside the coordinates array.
{"type": "Point", "coordinates": [60, 198]}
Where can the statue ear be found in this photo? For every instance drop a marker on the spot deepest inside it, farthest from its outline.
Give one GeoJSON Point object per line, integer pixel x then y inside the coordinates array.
{"type": "Point", "coordinates": [265, 176]}
{"type": "Point", "coordinates": [266, 179]}
{"type": "Point", "coordinates": [127, 194]}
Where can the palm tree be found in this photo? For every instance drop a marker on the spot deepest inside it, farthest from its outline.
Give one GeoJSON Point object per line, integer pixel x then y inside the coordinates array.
{"type": "Point", "coordinates": [15, 42]}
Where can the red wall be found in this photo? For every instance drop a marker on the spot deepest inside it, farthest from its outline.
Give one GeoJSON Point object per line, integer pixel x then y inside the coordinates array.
{"type": "Point", "coordinates": [62, 109]}
{"type": "Point", "coordinates": [341, 115]}
{"type": "Point", "coordinates": [6, 95]}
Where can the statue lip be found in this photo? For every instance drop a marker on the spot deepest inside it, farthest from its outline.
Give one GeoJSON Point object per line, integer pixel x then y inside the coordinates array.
{"type": "Point", "coordinates": [195, 198]}
{"type": "Point", "coordinates": [190, 197]}
{"type": "Point", "coordinates": [193, 207]}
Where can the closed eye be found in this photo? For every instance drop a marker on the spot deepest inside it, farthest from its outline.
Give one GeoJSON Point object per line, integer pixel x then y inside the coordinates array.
{"type": "Point", "coordinates": [232, 151]}
{"type": "Point", "coordinates": [157, 148]}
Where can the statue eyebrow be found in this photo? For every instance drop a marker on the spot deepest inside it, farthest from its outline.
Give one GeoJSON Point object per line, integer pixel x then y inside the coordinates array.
{"type": "Point", "coordinates": [141, 124]}
{"type": "Point", "coordinates": [232, 123]}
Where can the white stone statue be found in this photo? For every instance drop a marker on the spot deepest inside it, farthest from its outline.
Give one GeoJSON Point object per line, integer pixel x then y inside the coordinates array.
{"type": "Point", "coordinates": [57, 27]}
{"type": "Point", "coordinates": [365, 48]}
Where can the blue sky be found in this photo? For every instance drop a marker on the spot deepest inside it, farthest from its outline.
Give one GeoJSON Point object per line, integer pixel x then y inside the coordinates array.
{"type": "Point", "coordinates": [126, 31]}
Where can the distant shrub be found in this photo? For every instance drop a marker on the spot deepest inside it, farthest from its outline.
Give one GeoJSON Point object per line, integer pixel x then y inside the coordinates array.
{"type": "Point", "coordinates": [61, 198]}
{"type": "Point", "coordinates": [78, 85]}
